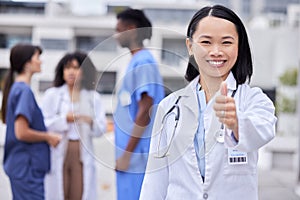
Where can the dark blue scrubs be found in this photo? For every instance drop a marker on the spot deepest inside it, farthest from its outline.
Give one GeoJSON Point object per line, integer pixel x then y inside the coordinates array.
{"type": "Point", "coordinates": [25, 163]}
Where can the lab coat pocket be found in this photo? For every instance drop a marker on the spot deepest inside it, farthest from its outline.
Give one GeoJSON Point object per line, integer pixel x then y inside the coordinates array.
{"type": "Point", "coordinates": [247, 168]}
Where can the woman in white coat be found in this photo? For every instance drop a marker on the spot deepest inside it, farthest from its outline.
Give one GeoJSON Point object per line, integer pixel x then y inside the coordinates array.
{"type": "Point", "coordinates": [74, 109]}
{"type": "Point", "coordinates": [206, 136]}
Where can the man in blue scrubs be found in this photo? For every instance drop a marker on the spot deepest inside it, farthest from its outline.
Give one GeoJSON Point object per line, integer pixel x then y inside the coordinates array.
{"type": "Point", "coordinates": [142, 89]}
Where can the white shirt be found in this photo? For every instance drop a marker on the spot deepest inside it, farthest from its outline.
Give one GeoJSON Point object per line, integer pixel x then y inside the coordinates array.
{"type": "Point", "coordinates": [73, 130]}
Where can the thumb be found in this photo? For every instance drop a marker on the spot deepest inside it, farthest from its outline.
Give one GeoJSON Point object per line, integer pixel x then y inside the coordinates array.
{"type": "Point", "coordinates": [223, 88]}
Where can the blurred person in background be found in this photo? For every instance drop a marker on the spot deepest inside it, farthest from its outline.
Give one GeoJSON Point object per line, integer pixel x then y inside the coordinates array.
{"type": "Point", "coordinates": [26, 150]}
{"type": "Point", "coordinates": [140, 92]}
{"type": "Point", "coordinates": [74, 109]}
{"type": "Point", "coordinates": [206, 136]}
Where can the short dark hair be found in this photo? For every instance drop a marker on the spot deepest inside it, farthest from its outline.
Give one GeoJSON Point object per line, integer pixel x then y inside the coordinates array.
{"type": "Point", "coordinates": [243, 68]}
{"type": "Point", "coordinates": [139, 19]}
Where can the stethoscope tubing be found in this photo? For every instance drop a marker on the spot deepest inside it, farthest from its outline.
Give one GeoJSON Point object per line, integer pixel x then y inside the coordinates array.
{"type": "Point", "coordinates": [177, 117]}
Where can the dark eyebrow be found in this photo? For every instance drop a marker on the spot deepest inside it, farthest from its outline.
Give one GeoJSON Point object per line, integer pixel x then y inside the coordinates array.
{"type": "Point", "coordinates": [204, 36]}
{"type": "Point", "coordinates": [209, 37]}
{"type": "Point", "coordinates": [228, 37]}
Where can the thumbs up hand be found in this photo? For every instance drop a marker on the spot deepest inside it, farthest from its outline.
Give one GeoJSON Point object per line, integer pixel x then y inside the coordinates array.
{"type": "Point", "coordinates": [223, 88]}
{"type": "Point", "coordinates": [225, 110]}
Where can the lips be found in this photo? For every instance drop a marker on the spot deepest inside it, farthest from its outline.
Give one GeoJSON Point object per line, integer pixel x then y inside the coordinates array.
{"type": "Point", "coordinates": [71, 77]}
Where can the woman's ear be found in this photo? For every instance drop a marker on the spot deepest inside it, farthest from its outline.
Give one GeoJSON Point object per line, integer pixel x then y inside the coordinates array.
{"type": "Point", "coordinates": [189, 43]}
{"type": "Point", "coordinates": [27, 66]}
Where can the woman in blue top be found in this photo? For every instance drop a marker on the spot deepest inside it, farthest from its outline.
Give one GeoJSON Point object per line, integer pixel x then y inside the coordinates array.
{"type": "Point", "coordinates": [26, 151]}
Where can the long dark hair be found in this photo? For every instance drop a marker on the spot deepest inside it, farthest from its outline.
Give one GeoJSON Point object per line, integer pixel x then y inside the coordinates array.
{"type": "Point", "coordinates": [89, 71]}
{"type": "Point", "coordinates": [139, 19]}
{"type": "Point", "coordinates": [243, 68]}
{"type": "Point", "coordinates": [20, 54]}
{"type": "Point", "coordinates": [59, 70]}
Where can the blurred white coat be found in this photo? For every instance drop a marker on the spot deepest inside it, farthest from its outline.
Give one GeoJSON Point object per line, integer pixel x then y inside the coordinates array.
{"type": "Point", "coordinates": [55, 106]}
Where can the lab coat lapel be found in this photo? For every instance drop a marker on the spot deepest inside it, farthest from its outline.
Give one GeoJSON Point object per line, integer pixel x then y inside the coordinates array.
{"type": "Point", "coordinates": [64, 92]}
{"type": "Point", "coordinates": [188, 122]}
{"type": "Point", "coordinates": [86, 102]}
{"type": "Point", "coordinates": [189, 100]}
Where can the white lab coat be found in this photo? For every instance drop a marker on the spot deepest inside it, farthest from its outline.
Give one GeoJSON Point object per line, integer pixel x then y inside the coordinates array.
{"type": "Point", "coordinates": [55, 106]}
{"type": "Point", "coordinates": [177, 176]}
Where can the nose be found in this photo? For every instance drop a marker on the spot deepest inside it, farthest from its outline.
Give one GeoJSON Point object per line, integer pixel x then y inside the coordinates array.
{"type": "Point", "coordinates": [216, 50]}
{"type": "Point", "coordinates": [116, 35]}
{"type": "Point", "coordinates": [70, 70]}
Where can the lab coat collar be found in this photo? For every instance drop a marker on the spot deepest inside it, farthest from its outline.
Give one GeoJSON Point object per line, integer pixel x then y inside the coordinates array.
{"type": "Point", "coordinates": [64, 92]}
{"type": "Point", "coordinates": [190, 89]}
{"type": "Point", "coordinates": [231, 82]}
{"type": "Point", "coordinates": [189, 95]}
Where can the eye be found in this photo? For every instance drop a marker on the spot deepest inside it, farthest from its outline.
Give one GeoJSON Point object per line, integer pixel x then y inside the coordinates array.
{"type": "Point", "coordinates": [227, 42]}
{"type": "Point", "coordinates": [205, 42]}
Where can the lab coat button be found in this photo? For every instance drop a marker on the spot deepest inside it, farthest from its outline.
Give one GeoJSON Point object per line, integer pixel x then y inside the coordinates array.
{"type": "Point", "coordinates": [205, 196]}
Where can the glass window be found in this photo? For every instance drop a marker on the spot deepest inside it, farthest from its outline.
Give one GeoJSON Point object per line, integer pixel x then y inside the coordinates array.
{"type": "Point", "coordinates": [9, 40]}
{"type": "Point", "coordinates": [22, 7]}
{"type": "Point", "coordinates": [106, 82]}
{"type": "Point", "coordinates": [181, 16]}
{"type": "Point", "coordinates": [222, 2]}
{"type": "Point", "coordinates": [55, 44]}
{"type": "Point", "coordinates": [114, 9]}
{"type": "Point", "coordinates": [246, 8]}
{"type": "Point", "coordinates": [173, 51]}
{"type": "Point", "coordinates": [271, 93]}
{"type": "Point", "coordinates": [278, 6]}
{"type": "Point", "coordinates": [172, 84]}
{"type": "Point", "coordinates": [44, 85]}
{"type": "Point", "coordinates": [98, 43]}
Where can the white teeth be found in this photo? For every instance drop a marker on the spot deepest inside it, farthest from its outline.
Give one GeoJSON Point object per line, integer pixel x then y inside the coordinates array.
{"type": "Point", "coordinates": [216, 62]}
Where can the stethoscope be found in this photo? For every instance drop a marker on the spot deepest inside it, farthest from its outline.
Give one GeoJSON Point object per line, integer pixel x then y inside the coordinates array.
{"type": "Point", "coordinates": [219, 136]}
{"type": "Point", "coordinates": [177, 116]}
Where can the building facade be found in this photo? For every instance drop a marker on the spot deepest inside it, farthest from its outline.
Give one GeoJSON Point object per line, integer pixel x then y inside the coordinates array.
{"type": "Point", "coordinates": [60, 26]}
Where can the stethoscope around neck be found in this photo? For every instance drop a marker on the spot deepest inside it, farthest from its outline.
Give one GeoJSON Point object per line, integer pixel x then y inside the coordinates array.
{"type": "Point", "coordinates": [177, 116]}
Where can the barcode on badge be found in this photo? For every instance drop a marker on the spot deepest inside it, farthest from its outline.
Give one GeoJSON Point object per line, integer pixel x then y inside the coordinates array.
{"type": "Point", "coordinates": [236, 157]}
{"type": "Point", "coordinates": [238, 160]}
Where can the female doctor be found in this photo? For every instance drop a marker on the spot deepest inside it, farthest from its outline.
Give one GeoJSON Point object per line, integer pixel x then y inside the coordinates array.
{"type": "Point", "coordinates": [73, 108]}
{"type": "Point", "coordinates": [206, 136]}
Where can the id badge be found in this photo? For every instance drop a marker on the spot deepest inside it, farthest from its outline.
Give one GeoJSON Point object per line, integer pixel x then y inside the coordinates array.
{"type": "Point", "coordinates": [236, 157]}
{"type": "Point", "coordinates": [125, 98]}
